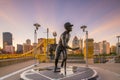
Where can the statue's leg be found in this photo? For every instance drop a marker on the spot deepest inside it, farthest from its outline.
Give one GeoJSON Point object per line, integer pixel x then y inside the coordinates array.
{"type": "Point", "coordinates": [56, 62]}
{"type": "Point", "coordinates": [65, 65]}
{"type": "Point", "coordinates": [62, 63]}
{"type": "Point", "coordinates": [64, 58]}
{"type": "Point", "coordinates": [56, 59]}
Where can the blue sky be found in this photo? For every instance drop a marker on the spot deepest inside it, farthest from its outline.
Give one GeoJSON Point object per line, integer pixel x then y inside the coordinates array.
{"type": "Point", "coordinates": [102, 18]}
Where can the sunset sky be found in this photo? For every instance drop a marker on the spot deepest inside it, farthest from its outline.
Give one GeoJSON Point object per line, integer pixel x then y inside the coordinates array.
{"type": "Point", "coordinates": [102, 18]}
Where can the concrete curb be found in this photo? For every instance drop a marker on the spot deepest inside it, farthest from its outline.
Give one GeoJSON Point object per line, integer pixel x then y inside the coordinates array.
{"type": "Point", "coordinates": [7, 62]}
{"type": "Point", "coordinates": [94, 76]}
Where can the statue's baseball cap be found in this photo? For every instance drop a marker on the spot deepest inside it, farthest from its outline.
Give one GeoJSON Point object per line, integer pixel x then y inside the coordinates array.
{"type": "Point", "coordinates": [68, 25]}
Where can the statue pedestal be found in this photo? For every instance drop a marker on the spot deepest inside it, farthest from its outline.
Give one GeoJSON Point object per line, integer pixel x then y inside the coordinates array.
{"type": "Point", "coordinates": [69, 70]}
{"type": "Point", "coordinates": [71, 73]}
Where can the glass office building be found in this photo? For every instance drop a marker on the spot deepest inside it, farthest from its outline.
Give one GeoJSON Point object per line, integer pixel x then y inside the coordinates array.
{"type": "Point", "coordinates": [7, 39]}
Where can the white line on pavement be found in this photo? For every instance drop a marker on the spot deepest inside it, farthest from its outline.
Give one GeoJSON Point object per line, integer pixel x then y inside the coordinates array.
{"type": "Point", "coordinates": [11, 74]}
{"type": "Point", "coordinates": [42, 75]}
{"type": "Point", "coordinates": [116, 74]}
{"type": "Point", "coordinates": [73, 75]}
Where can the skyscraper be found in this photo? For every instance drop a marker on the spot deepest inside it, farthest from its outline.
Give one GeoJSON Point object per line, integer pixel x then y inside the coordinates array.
{"type": "Point", "coordinates": [104, 47]}
{"type": "Point", "coordinates": [96, 48]}
{"type": "Point", "coordinates": [19, 48]}
{"type": "Point", "coordinates": [27, 46]}
{"type": "Point", "coordinates": [28, 41]}
{"type": "Point", "coordinates": [75, 42]}
{"type": "Point", "coordinates": [7, 39]}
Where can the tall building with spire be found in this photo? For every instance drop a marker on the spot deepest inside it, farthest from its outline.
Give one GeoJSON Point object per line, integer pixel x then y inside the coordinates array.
{"type": "Point", "coordinates": [75, 42]}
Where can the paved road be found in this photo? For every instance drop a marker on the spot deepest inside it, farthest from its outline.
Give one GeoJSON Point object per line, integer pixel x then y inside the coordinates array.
{"type": "Point", "coordinates": [108, 71]}
{"type": "Point", "coordinates": [12, 68]}
{"type": "Point", "coordinates": [14, 71]}
{"type": "Point", "coordinates": [105, 71]}
{"type": "Point", "coordinates": [106, 74]}
{"type": "Point", "coordinates": [114, 67]}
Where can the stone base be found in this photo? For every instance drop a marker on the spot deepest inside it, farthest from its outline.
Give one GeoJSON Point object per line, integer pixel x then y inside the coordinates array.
{"type": "Point", "coordinates": [90, 61]}
{"type": "Point", "coordinates": [71, 73]}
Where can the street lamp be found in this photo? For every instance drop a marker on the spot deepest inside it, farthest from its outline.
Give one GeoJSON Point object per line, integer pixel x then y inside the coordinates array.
{"type": "Point", "coordinates": [118, 45]}
{"type": "Point", "coordinates": [84, 27]}
{"type": "Point", "coordinates": [47, 40]}
{"type": "Point", "coordinates": [54, 34]}
{"type": "Point", "coordinates": [35, 40]}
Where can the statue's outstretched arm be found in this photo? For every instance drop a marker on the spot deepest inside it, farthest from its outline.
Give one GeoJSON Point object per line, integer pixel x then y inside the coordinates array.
{"type": "Point", "coordinates": [65, 45]}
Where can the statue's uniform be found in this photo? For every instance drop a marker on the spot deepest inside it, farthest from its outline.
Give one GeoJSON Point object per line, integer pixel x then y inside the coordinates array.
{"type": "Point", "coordinates": [62, 48]}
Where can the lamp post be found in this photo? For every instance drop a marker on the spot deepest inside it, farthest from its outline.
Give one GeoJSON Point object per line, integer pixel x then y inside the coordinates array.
{"type": "Point", "coordinates": [47, 40]}
{"type": "Point", "coordinates": [54, 34]}
{"type": "Point", "coordinates": [35, 40]}
{"type": "Point", "coordinates": [118, 45]}
{"type": "Point", "coordinates": [86, 58]}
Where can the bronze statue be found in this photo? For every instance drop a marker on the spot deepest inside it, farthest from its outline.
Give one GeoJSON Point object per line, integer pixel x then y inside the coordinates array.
{"type": "Point", "coordinates": [63, 46]}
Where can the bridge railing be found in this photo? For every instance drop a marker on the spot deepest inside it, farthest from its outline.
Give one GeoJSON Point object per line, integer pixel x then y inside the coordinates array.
{"type": "Point", "coordinates": [12, 56]}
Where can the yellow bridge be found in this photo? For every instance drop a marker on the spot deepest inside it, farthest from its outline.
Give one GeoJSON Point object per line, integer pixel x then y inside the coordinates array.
{"type": "Point", "coordinates": [39, 52]}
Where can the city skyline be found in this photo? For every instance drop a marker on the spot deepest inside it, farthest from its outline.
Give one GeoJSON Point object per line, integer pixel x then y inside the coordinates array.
{"type": "Point", "coordinates": [102, 18]}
